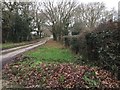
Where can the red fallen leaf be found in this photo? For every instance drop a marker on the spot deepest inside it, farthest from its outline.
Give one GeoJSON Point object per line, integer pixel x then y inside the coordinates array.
{"type": "Point", "coordinates": [39, 75]}
{"type": "Point", "coordinates": [72, 75]}
{"type": "Point", "coordinates": [6, 66]}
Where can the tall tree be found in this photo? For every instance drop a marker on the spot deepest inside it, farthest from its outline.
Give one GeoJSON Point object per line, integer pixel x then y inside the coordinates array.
{"type": "Point", "coordinates": [92, 14]}
{"type": "Point", "coordinates": [59, 16]}
{"type": "Point", "coordinates": [16, 21]}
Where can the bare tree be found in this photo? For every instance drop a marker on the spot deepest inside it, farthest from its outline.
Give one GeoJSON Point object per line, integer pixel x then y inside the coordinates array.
{"type": "Point", "coordinates": [109, 14]}
{"type": "Point", "coordinates": [92, 14]}
{"type": "Point", "coordinates": [59, 16]}
{"type": "Point", "coordinates": [38, 18]}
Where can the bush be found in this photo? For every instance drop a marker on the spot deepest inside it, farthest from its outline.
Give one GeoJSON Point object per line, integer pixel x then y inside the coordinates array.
{"type": "Point", "coordinates": [104, 48]}
{"type": "Point", "coordinates": [75, 33]}
{"type": "Point", "coordinates": [77, 43]}
{"type": "Point", "coordinates": [66, 41]}
{"type": "Point", "coordinates": [74, 44]}
{"type": "Point", "coordinates": [101, 47]}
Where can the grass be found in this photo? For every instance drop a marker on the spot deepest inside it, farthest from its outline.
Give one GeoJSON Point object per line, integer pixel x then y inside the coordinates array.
{"type": "Point", "coordinates": [11, 45]}
{"type": "Point", "coordinates": [51, 52]}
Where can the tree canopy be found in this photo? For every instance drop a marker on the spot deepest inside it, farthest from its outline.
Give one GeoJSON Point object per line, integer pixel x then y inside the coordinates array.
{"type": "Point", "coordinates": [21, 18]}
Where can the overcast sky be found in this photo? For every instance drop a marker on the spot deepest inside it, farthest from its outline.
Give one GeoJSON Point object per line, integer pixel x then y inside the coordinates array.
{"type": "Point", "coordinates": [109, 3]}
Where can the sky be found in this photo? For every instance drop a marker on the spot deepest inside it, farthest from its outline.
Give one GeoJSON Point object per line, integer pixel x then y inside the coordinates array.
{"type": "Point", "coordinates": [109, 3]}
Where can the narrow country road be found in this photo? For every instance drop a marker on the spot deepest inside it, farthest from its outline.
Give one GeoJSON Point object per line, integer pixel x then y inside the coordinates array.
{"type": "Point", "coordinates": [11, 55]}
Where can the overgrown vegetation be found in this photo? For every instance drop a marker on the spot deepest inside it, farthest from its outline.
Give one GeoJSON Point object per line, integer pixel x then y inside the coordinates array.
{"type": "Point", "coordinates": [55, 68]}
{"type": "Point", "coordinates": [18, 21]}
{"type": "Point", "coordinates": [101, 47]}
{"type": "Point", "coordinates": [56, 75]}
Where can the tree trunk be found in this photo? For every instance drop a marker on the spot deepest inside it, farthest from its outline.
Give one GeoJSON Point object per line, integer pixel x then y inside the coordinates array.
{"type": "Point", "coordinates": [59, 37]}
{"type": "Point", "coordinates": [54, 36]}
{"type": "Point", "coordinates": [40, 34]}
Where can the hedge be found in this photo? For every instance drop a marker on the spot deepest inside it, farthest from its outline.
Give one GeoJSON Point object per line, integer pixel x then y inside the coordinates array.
{"type": "Point", "coordinates": [77, 43]}
{"type": "Point", "coordinates": [104, 49]}
{"type": "Point", "coordinates": [101, 47]}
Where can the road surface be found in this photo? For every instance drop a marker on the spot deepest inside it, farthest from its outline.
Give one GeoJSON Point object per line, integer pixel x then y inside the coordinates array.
{"type": "Point", "coordinates": [11, 53]}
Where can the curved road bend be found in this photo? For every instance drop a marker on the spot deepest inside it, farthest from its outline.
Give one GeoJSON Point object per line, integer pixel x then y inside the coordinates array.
{"type": "Point", "coordinates": [11, 55]}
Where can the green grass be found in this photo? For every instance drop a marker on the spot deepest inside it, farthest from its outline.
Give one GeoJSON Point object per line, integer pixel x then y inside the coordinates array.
{"type": "Point", "coordinates": [51, 54]}
{"type": "Point", "coordinates": [11, 45]}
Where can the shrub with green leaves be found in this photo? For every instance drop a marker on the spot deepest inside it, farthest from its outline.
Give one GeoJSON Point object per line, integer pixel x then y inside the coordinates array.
{"type": "Point", "coordinates": [104, 48]}
{"type": "Point", "coordinates": [90, 79]}
{"type": "Point", "coordinates": [74, 44]}
{"type": "Point", "coordinates": [66, 41]}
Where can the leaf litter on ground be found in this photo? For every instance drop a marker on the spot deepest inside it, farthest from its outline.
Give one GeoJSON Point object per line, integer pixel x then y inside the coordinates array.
{"type": "Point", "coordinates": [56, 75]}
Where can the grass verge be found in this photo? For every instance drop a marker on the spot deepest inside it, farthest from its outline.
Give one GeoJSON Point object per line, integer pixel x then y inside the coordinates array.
{"type": "Point", "coordinates": [11, 45]}
{"type": "Point", "coordinates": [51, 52]}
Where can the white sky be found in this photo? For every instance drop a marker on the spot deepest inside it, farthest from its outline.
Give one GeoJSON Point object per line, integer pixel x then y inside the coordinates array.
{"type": "Point", "coordinates": [109, 3]}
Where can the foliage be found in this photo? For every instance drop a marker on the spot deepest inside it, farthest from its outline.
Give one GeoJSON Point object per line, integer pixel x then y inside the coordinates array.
{"type": "Point", "coordinates": [14, 23]}
{"type": "Point", "coordinates": [100, 46]}
{"type": "Point", "coordinates": [103, 48]}
{"type": "Point", "coordinates": [91, 79]}
{"type": "Point", "coordinates": [66, 41]}
{"type": "Point", "coordinates": [52, 75]}
{"type": "Point", "coordinates": [77, 43]}
{"type": "Point", "coordinates": [74, 44]}
{"type": "Point", "coordinates": [19, 20]}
